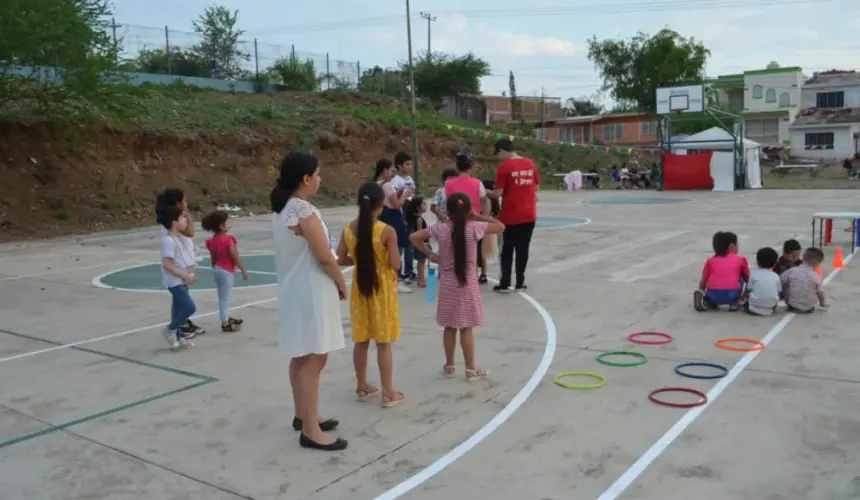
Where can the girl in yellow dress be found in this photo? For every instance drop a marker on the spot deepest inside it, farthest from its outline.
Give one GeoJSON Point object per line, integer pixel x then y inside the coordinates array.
{"type": "Point", "coordinates": [371, 246]}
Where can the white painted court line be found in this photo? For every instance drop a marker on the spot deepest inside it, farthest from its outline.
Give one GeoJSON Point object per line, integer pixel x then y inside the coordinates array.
{"type": "Point", "coordinates": [67, 270]}
{"type": "Point", "coordinates": [135, 330]}
{"type": "Point", "coordinates": [635, 470]}
{"type": "Point", "coordinates": [500, 418]}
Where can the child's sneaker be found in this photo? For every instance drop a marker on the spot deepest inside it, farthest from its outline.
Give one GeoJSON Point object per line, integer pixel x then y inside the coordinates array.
{"type": "Point", "coordinates": [185, 342]}
{"type": "Point", "coordinates": [191, 330]}
{"type": "Point", "coordinates": [171, 338]}
{"type": "Point", "coordinates": [699, 301]}
{"type": "Point", "coordinates": [402, 288]}
{"type": "Point", "coordinates": [501, 289]}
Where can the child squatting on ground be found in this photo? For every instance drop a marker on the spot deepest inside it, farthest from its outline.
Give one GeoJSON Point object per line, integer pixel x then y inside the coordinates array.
{"type": "Point", "coordinates": [372, 247]}
{"type": "Point", "coordinates": [764, 287]}
{"type": "Point", "coordinates": [225, 259]}
{"type": "Point", "coordinates": [459, 306]}
{"type": "Point", "coordinates": [802, 286]}
{"type": "Point", "coordinates": [175, 276]}
{"type": "Point", "coordinates": [724, 275]}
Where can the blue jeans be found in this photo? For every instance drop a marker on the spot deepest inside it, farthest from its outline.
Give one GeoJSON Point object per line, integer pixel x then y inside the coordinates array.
{"type": "Point", "coordinates": [183, 307]}
{"type": "Point", "coordinates": [224, 283]}
{"type": "Point", "coordinates": [408, 258]}
{"type": "Point", "coordinates": [724, 297]}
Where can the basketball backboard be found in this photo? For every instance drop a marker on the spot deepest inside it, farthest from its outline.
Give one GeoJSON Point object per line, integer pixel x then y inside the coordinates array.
{"type": "Point", "coordinates": [681, 99]}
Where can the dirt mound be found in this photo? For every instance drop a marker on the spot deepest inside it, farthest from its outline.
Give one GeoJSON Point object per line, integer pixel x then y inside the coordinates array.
{"type": "Point", "coordinates": [60, 180]}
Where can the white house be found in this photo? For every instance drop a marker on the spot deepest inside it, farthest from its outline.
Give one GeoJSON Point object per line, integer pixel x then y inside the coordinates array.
{"type": "Point", "coordinates": [828, 126]}
{"type": "Point", "coordinates": [768, 100]}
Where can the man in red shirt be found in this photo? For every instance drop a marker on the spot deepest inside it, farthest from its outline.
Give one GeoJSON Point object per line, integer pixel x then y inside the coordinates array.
{"type": "Point", "coordinates": [517, 182]}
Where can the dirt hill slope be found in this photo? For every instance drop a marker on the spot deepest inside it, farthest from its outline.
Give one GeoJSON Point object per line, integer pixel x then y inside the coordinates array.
{"type": "Point", "coordinates": [60, 178]}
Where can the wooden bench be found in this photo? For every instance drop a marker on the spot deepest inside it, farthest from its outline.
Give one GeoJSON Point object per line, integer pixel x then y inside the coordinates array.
{"type": "Point", "coordinates": [782, 169]}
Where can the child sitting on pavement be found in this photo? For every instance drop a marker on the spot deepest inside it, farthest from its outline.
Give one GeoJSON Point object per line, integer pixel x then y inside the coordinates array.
{"type": "Point", "coordinates": [723, 276]}
{"type": "Point", "coordinates": [790, 257]}
{"type": "Point", "coordinates": [802, 286]}
{"type": "Point", "coordinates": [764, 287]}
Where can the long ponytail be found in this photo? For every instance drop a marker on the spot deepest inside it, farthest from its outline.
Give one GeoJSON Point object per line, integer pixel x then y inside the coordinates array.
{"type": "Point", "coordinates": [370, 197]}
{"type": "Point", "coordinates": [459, 207]}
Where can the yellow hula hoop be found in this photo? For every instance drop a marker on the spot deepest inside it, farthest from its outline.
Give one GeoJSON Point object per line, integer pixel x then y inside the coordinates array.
{"type": "Point", "coordinates": [601, 380]}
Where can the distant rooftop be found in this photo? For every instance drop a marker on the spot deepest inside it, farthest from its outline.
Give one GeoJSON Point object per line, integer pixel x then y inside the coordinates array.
{"type": "Point", "coordinates": [833, 76]}
{"type": "Point", "coordinates": [838, 116]}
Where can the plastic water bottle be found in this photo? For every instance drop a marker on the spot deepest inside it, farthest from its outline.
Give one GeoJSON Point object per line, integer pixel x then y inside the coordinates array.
{"type": "Point", "coordinates": [430, 291]}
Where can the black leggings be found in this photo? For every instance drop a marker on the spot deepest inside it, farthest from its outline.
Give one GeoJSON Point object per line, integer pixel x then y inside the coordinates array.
{"type": "Point", "coordinates": [516, 239]}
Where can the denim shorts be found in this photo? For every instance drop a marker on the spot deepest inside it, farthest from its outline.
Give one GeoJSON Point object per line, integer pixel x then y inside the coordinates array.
{"type": "Point", "coordinates": [723, 297]}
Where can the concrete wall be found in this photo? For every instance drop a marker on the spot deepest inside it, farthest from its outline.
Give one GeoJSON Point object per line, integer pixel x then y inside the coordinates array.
{"type": "Point", "coordinates": [843, 142]}
{"type": "Point", "coordinates": [851, 89]}
{"type": "Point", "coordinates": [779, 90]}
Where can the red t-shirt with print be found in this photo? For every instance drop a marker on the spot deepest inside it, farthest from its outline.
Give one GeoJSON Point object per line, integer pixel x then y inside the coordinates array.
{"type": "Point", "coordinates": [518, 178]}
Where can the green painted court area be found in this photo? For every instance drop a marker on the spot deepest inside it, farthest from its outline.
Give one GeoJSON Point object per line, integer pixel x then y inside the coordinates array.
{"type": "Point", "coordinates": [261, 272]}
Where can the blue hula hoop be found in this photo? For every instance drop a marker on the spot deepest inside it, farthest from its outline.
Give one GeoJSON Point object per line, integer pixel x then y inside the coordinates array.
{"type": "Point", "coordinates": [679, 370]}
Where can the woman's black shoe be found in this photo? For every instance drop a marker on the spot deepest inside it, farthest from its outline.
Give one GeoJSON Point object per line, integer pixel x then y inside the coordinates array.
{"type": "Point", "coordinates": [325, 426]}
{"type": "Point", "coordinates": [337, 445]}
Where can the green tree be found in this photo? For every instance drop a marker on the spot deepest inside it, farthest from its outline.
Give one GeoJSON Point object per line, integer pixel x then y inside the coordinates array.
{"type": "Point", "coordinates": [56, 52]}
{"type": "Point", "coordinates": [582, 106]}
{"type": "Point", "coordinates": [176, 62]}
{"type": "Point", "coordinates": [296, 75]}
{"type": "Point", "coordinates": [220, 44]}
{"type": "Point", "coordinates": [389, 82]}
{"type": "Point", "coordinates": [444, 75]}
{"type": "Point", "coordinates": [633, 69]}
{"type": "Point", "coordinates": [516, 108]}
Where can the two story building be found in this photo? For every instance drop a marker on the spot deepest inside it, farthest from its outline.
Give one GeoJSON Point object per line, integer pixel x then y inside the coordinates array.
{"type": "Point", "coordinates": [768, 100]}
{"type": "Point", "coordinates": [616, 129]}
{"type": "Point", "coordinates": [828, 126]}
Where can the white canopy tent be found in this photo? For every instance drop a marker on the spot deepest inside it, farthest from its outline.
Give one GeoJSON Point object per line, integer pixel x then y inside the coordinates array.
{"type": "Point", "coordinates": [722, 168]}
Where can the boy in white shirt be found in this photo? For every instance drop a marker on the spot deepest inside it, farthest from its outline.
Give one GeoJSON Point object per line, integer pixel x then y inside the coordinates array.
{"type": "Point", "coordinates": [402, 181]}
{"type": "Point", "coordinates": [762, 292]}
{"type": "Point", "coordinates": [175, 276]}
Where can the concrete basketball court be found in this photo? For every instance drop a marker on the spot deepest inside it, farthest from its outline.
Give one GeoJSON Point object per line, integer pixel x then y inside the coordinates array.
{"type": "Point", "coordinates": [94, 406]}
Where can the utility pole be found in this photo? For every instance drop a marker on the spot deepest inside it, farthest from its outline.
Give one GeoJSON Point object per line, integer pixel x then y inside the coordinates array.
{"type": "Point", "coordinates": [542, 114]}
{"type": "Point", "coordinates": [113, 25]}
{"type": "Point", "coordinates": [430, 19]}
{"type": "Point", "coordinates": [412, 124]}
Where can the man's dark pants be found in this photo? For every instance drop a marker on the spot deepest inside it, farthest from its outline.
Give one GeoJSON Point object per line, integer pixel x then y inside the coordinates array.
{"type": "Point", "coordinates": [515, 239]}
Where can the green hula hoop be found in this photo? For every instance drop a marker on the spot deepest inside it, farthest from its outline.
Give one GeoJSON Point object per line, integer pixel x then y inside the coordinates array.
{"type": "Point", "coordinates": [601, 380]}
{"type": "Point", "coordinates": [642, 359]}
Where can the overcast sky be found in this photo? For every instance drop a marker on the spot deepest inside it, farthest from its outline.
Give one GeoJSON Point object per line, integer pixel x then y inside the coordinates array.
{"type": "Point", "coordinates": [542, 43]}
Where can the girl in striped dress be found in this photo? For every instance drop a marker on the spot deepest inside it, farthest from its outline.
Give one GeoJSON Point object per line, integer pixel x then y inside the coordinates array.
{"type": "Point", "coordinates": [460, 307]}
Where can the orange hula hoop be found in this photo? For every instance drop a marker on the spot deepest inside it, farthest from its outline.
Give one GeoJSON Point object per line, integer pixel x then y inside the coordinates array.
{"type": "Point", "coordinates": [726, 344]}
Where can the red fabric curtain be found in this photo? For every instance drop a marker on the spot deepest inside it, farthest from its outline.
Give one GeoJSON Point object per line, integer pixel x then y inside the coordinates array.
{"type": "Point", "coordinates": [687, 172]}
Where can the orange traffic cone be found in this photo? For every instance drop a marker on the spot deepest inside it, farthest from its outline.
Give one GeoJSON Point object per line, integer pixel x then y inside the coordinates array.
{"type": "Point", "coordinates": [818, 270]}
{"type": "Point", "coordinates": [838, 263]}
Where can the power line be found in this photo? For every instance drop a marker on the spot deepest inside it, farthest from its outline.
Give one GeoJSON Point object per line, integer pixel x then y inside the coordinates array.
{"type": "Point", "coordinates": [572, 10]}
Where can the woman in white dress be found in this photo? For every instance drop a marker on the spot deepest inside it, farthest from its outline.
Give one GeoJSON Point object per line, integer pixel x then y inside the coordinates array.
{"type": "Point", "coordinates": [310, 288]}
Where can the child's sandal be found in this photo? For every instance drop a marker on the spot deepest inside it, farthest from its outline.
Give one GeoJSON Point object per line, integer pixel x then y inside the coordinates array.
{"type": "Point", "coordinates": [476, 374]}
{"type": "Point", "coordinates": [235, 321]}
{"type": "Point", "coordinates": [366, 393]}
{"type": "Point", "coordinates": [449, 370]}
{"type": "Point", "coordinates": [230, 328]}
{"type": "Point", "coordinates": [393, 399]}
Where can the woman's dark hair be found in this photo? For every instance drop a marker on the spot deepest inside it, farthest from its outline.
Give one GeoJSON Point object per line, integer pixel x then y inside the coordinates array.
{"type": "Point", "coordinates": [370, 196]}
{"type": "Point", "coordinates": [167, 214]}
{"type": "Point", "coordinates": [449, 173]}
{"type": "Point", "coordinates": [791, 245]}
{"type": "Point", "coordinates": [214, 221]}
{"type": "Point", "coordinates": [458, 208]}
{"type": "Point", "coordinates": [766, 257]}
{"type": "Point", "coordinates": [294, 168]}
{"type": "Point", "coordinates": [381, 166]}
{"type": "Point", "coordinates": [721, 244]}
{"type": "Point", "coordinates": [410, 212]}
{"type": "Point", "coordinates": [401, 158]}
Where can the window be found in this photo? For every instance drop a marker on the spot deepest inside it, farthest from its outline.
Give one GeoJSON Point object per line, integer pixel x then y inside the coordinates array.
{"type": "Point", "coordinates": [756, 91]}
{"type": "Point", "coordinates": [770, 95]}
{"type": "Point", "coordinates": [565, 134]}
{"type": "Point", "coordinates": [784, 100]}
{"type": "Point", "coordinates": [820, 139]}
{"type": "Point", "coordinates": [648, 128]}
{"type": "Point", "coordinates": [764, 132]}
{"type": "Point", "coordinates": [830, 99]}
{"type": "Point", "coordinates": [613, 131]}
{"type": "Point", "coordinates": [542, 134]}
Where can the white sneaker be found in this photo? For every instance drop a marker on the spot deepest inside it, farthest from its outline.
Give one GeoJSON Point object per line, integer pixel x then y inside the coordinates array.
{"type": "Point", "coordinates": [170, 337]}
{"type": "Point", "coordinates": [401, 288]}
{"type": "Point", "coordinates": [184, 342]}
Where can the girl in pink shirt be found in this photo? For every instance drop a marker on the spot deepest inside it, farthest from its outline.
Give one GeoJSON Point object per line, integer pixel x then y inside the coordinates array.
{"type": "Point", "coordinates": [724, 275]}
{"type": "Point", "coordinates": [224, 259]}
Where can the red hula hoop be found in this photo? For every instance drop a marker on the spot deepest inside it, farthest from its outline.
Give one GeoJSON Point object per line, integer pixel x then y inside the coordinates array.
{"type": "Point", "coordinates": [702, 395]}
{"type": "Point", "coordinates": [634, 337]}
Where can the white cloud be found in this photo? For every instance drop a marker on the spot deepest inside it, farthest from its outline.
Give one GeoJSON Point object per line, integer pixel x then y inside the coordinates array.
{"type": "Point", "coordinates": [457, 34]}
